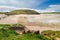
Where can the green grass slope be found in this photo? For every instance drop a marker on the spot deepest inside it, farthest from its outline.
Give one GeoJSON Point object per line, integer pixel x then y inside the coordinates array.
{"type": "Point", "coordinates": [23, 12]}
{"type": "Point", "coordinates": [7, 34]}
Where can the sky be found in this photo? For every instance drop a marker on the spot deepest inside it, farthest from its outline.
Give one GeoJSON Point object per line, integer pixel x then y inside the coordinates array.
{"type": "Point", "coordinates": [38, 5]}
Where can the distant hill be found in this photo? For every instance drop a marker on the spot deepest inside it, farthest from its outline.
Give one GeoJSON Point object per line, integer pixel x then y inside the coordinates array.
{"type": "Point", "coordinates": [14, 12]}
{"type": "Point", "coordinates": [25, 11]}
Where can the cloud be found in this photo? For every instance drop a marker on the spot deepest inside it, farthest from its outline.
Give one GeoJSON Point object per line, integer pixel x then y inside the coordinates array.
{"type": "Point", "coordinates": [22, 3]}
{"type": "Point", "coordinates": [6, 8]}
{"type": "Point", "coordinates": [10, 8]}
{"type": "Point", "coordinates": [51, 8]}
{"type": "Point", "coordinates": [7, 5]}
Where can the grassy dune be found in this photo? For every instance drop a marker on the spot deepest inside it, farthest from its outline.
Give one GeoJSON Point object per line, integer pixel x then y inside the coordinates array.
{"type": "Point", "coordinates": [8, 34]}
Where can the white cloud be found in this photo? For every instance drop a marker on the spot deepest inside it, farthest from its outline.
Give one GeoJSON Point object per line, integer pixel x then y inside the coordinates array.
{"type": "Point", "coordinates": [7, 5]}
{"type": "Point", "coordinates": [6, 8]}
{"type": "Point", "coordinates": [51, 8]}
{"type": "Point", "coordinates": [10, 8]}
{"type": "Point", "coordinates": [22, 3]}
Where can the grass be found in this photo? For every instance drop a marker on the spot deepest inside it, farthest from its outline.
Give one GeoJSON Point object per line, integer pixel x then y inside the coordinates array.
{"type": "Point", "coordinates": [12, 35]}
{"type": "Point", "coordinates": [10, 25]}
{"type": "Point", "coordinates": [15, 12]}
{"type": "Point", "coordinates": [51, 34]}
{"type": "Point", "coordinates": [7, 34]}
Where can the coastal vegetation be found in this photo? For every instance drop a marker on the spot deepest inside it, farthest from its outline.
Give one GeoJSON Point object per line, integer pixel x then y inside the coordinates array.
{"type": "Point", "coordinates": [8, 34]}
